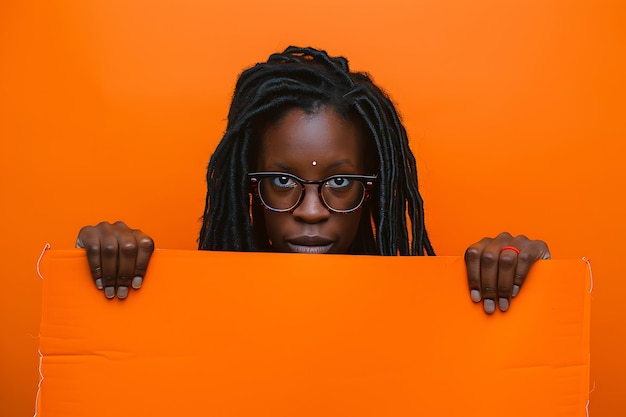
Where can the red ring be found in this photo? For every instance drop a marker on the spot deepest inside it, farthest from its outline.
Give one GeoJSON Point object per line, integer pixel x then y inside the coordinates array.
{"type": "Point", "coordinates": [513, 248]}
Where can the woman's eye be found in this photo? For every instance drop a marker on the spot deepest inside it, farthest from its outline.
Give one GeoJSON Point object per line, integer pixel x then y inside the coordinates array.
{"type": "Point", "coordinates": [338, 182]}
{"type": "Point", "coordinates": [284, 181]}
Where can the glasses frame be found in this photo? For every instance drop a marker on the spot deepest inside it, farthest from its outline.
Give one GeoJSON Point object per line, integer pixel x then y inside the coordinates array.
{"type": "Point", "coordinates": [366, 180]}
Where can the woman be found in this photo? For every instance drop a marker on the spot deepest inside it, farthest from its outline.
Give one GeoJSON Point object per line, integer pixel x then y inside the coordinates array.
{"type": "Point", "coordinates": [315, 159]}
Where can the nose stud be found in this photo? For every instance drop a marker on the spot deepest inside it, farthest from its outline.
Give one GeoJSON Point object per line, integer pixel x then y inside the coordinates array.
{"type": "Point", "coordinates": [314, 163]}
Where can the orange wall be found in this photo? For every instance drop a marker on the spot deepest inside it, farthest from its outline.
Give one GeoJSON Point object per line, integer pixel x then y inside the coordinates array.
{"type": "Point", "coordinates": [110, 110]}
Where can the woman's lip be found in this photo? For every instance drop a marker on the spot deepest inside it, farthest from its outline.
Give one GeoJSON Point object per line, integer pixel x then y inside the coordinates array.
{"type": "Point", "coordinates": [306, 240]}
{"type": "Point", "coordinates": [309, 248]}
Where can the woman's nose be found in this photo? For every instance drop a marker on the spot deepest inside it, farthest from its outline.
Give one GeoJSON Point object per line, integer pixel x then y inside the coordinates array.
{"type": "Point", "coordinates": [311, 208]}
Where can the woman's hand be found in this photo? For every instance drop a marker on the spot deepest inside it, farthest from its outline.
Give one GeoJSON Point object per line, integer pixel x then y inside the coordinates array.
{"type": "Point", "coordinates": [497, 268]}
{"type": "Point", "coordinates": [118, 256]}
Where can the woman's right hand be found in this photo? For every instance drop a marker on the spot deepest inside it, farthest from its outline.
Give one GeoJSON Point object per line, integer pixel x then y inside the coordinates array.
{"type": "Point", "coordinates": [118, 256]}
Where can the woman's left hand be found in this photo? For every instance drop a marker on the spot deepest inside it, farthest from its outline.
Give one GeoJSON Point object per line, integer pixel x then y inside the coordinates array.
{"type": "Point", "coordinates": [497, 268]}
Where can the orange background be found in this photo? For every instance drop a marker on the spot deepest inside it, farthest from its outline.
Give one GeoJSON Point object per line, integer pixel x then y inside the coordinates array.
{"type": "Point", "coordinates": [329, 343]}
{"type": "Point", "coordinates": [110, 110]}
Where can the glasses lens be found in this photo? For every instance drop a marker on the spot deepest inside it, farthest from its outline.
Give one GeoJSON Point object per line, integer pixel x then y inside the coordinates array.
{"type": "Point", "coordinates": [280, 192]}
{"type": "Point", "coordinates": [343, 194]}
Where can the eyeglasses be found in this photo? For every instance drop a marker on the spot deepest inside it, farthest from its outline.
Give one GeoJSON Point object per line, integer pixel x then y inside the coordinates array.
{"type": "Point", "coordinates": [281, 192]}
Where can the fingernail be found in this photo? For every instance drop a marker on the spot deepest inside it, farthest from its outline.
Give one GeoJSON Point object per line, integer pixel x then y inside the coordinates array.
{"type": "Point", "coordinates": [515, 290]}
{"type": "Point", "coordinates": [99, 283]}
{"type": "Point", "coordinates": [503, 303]}
{"type": "Point", "coordinates": [109, 292]}
{"type": "Point", "coordinates": [137, 281]}
{"type": "Point", "coordinates": [489, 305]}
{"type": "Point", "coordinates": [122, 292]}
{"type": "Point", "coordinates": [475, 294]}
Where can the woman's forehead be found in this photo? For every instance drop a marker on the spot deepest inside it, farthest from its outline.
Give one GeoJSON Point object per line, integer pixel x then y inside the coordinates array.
{"type": "Point", "coordinates": [322, 139]}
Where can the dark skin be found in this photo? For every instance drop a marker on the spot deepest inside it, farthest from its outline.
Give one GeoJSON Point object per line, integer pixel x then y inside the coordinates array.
{"type": "Point", "coordinates": [118, 255]}
{"type": "Point", "coordinates": [495, 275]}
{"type": "Point", "coordinates": [331, 145]}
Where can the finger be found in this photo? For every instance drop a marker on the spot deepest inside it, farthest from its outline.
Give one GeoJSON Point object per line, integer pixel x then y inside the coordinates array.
{"type": "Point", "coordinates": [489, 280]}
{"type": "Point", "coordinates": [472, 264]}
{"type": "Point", "coordinates": [127, 258]}
{"type": "Point", "coordinates": [530, 251]}
{"type": "Point", "coordinates": [145, 246]}
{"type": "Point", "coordinates": [507, 263]}
{"type": "Point", "coordinates": [489, 269]}
{"type": "Point", "coordinates": [109, 250]}
{"type": "Point", "coordinates": [89, 239]}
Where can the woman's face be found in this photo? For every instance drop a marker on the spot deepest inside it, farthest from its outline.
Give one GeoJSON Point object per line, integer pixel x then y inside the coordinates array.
{"type": "Point", "coordinates": [312, 146]}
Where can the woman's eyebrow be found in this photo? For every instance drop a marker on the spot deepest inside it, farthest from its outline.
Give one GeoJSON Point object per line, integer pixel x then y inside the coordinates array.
{"type": "Point", "coordinates": [339, 163]}
{"type": "Point", "coordinates": [329, 167]}
{"type": "Point", "coordinates": [282, 166]}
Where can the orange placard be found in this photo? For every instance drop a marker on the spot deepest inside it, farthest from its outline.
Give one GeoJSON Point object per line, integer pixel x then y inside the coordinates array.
{"type": "Point", "coordinates": [234, 334]}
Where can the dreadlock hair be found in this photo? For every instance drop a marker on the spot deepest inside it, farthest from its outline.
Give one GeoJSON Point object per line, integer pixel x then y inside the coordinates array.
{"type": "Point", "coordinates": [309, 79]}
